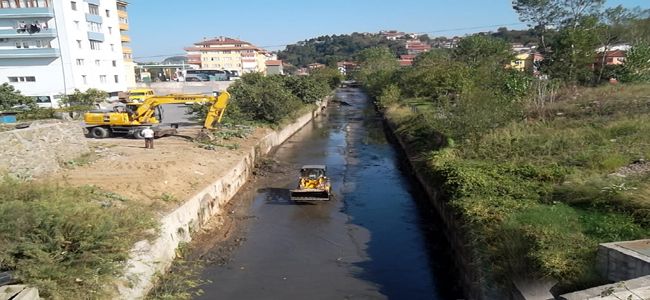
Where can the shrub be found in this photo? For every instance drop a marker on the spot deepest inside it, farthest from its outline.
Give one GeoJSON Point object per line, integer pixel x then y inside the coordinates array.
{"type": "Point", "coordinates": [68, 242]}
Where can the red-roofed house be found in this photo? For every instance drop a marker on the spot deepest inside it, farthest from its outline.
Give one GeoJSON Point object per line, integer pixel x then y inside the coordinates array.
{"type": "Point", "coordinates": [417, 47]}
{"type": "Point", "coordinates": [224, 53]}
{"type": "Point", "coordinates": [274, 67]}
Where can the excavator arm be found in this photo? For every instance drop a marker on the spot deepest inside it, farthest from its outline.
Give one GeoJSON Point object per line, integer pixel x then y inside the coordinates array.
{"type": "Point", "coordinates": [145, 112]}
{"type": "Point", "coordinates": [216, 110]}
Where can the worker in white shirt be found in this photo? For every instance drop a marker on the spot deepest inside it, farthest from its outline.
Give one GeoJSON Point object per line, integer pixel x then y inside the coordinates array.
{"type": "Point", "coordinates": [148, 135]}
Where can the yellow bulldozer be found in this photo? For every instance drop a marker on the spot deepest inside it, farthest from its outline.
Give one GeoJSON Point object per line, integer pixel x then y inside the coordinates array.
{"type": "Point", "coordinates": [132, 118]}
{"type": "Point", "coordinates": [313, 184]}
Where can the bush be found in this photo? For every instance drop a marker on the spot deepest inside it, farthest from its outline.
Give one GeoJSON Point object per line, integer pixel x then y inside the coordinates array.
{"type": "Point", "coordinates": [263, 99]}
{"type": "Point", "coordinates": [68, 242]}
{"type": "Point", "coordinates": [10, 97]}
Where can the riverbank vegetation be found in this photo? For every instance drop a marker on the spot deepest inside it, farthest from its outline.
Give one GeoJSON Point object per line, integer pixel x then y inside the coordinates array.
{"type": "Point", "coordinates": [68, 242]}
{"type": "Point", "coordinates": [274, 100]}
{"type": "Point", "coordinates": [538, 171]}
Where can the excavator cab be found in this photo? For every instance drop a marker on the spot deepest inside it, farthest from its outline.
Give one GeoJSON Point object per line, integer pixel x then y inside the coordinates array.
{"type": "Point", "coordinates": [313, 184]}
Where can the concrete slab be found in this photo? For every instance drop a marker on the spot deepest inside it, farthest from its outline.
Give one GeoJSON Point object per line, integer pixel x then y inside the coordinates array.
{"type": "Point", "coordinates": [635, 289]}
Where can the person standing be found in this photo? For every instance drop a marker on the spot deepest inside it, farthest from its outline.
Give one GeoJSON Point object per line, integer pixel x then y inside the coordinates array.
{"type": "Point", "coordinates": [148, 135]}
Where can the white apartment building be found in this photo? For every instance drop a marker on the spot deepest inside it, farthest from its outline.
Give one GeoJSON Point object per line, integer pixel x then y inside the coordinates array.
{"type": "Point", "coordinates": [52, 47]}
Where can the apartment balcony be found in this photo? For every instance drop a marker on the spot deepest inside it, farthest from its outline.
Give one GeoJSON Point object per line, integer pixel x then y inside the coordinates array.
{"type": "Point", "coordinates": [127, 50]}
{"type": "Point", "coordinates": [14, 33]}
{"type": "Point", "coordinates": [95, 36]}
{"type": "Point", "coordinates": [124, 26]}
{"type": "Point", "coordinates": [94, 18]}
{"type": "Point", "coordinates": [122, 14]}
{"type": "Point", "coordinates": [29, 53]}
{"type": "Point", "coordinates": [125, 38]}
{"type": "Point", "coordinates": [31, 12]}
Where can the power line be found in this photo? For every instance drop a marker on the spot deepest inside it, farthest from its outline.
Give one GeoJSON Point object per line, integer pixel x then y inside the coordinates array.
{"type": "Point", "coordinates": [423, 32]}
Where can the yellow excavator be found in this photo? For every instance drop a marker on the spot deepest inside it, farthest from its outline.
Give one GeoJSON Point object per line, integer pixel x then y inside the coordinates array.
{"type": "Point", "coordinates": [132, 118]}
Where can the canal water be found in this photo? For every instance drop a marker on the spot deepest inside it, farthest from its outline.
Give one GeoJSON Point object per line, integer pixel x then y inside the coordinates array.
{"type": "Point", "coordinates": [378, 239]}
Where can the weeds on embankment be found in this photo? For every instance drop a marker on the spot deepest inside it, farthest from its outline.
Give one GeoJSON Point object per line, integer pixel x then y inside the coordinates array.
{"type": "Point", "coordinates": [68, 242]}
{"type": "Point", "coordinates": [538, 194]}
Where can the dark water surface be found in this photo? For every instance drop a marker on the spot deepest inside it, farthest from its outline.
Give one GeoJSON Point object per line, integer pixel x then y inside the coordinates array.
{"type": "Point", "coordinates": [377, 240]}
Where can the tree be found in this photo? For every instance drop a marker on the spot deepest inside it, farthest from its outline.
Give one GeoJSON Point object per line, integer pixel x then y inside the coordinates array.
{"type": "Point", "coordinates": [637, 64]}
{"type": "Point", "coordinates": [87, 99]}
{"type": "Point", "coordinates": [10, 97]}
{"type": "Point", "coordinates": [477, 50]}
{"type": "Point", "coordinates": [307, 88]}
{"type": "Point", "coordinates": [611, 30]}
{"type": "Point", "coordinates": [331, 76]}
{"type": "Point", "coordinates": [262, 98]}
{"type": "Point", "coordinates": [540, 15]}
{"type": "Point", "coordinates": [573, 53]}
{"type": "Point", "coordinates": [377, 67]}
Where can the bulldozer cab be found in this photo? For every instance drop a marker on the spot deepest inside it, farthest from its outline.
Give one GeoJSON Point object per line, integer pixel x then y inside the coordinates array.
{"type": "Point", "coordinates": [312, 172]}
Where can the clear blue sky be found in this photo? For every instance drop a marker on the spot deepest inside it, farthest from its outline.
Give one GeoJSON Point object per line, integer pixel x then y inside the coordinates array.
{"type": "Point", "coordinates": [164, 28]}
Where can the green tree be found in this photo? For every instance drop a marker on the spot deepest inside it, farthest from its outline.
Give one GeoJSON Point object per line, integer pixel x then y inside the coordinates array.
{"type": "Point", "coordinates": [84, 99]}
{"type": "Point", "coordinates": [637, 64]}
{"type": "Point", "coordinates": [540, 15]}
{"type": "Point", "coordinates": [434, 76]}
{"type": "Point", "coordinates": [573, 53]}
{"type": "Point", "coordinates": [260, 98]}
{"type": "Point", "coordinates": [10, 97]}
{"type": "Point", "coordinates": [307, 88]}
{"type": "Point", "coordinates": [330, 75]}
{"type": "Point", "coordinates": [614, 22]}
{"type": "Point", "coordinates": [477, 50]}
{"type": "Point", "coordinates": [377, 67]}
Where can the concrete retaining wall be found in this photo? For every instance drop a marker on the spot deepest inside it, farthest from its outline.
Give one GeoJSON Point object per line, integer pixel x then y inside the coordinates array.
{"type": "Point", "coordinates": [618, 262]}
{"type": "Point", "coordinates": [166, 88]}
{"type": "Point", "coordinates": [41, 148]}
{"type": "Point", "coordinates": [150, 258]}
{"type": "Point", "coordinates": [473, 286]}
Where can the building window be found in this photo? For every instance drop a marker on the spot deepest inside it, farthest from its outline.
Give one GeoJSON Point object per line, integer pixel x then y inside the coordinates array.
{"type": "Point", "coordinates": [98, 62]}
{"type": "Point", "coordinates": [22, 79]}
{"type": "Point", "coordinates": [80, 62]}
{"type": "Point", "coordinates": [43, 99]}
{"type": "Point", "coordinates": [84, 79]}
{"type": "Point", "coordinates": [73, 5]}
{"type": "Point", "coordinates": [95, 27]}
{"type": "Point", "coordinates": [108, 13]}
{"type": "Point", "coordinates": [102, 78]}
{"type": "Point", "coordinates": [117, 79]}
{"type": "Point", "coordinates": [110, 30]}
{"type": "Point", "coordinates": [76, 25]}
{"type": "Point", "coordinates": [93, 9]}
{"type": "Point", "coordinates": [95, 45]}
{"type": "Point", "coordinates": [115, 63]}
{"type": "Point", "coordinates": [79, 44]}
{"type": "Point", "coordinates": [113, 47]}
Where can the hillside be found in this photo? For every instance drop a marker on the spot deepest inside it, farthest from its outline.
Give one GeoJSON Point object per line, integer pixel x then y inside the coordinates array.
{"type": "Point", "coordinates": [330, 49]}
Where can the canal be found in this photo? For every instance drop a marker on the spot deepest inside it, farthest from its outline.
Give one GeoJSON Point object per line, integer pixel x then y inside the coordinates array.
{"type": "Point", "coordinates": [378, 239]}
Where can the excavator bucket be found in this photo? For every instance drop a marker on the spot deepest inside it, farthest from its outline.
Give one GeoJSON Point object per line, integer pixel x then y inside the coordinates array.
{"type": "Point", "coordinates": [310, 195]}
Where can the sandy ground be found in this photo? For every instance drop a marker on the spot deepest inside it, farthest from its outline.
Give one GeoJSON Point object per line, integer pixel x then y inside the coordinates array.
{"type": "Point", "coordinates": [163, 177]}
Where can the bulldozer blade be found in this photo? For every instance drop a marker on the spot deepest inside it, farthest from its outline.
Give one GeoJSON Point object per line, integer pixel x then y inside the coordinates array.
{"type": "Point", "coordinates": [298, 195]}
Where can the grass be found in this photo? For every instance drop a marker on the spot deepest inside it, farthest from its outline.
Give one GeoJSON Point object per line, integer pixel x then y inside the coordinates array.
{"type": "Point", "coordinates": [536, 195]}
{"type": "Point", "coordinates": [67, 242]}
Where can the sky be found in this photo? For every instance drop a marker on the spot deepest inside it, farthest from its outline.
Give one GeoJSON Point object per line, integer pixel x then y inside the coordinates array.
{"type": "Point", "coordinates": [160, 29]}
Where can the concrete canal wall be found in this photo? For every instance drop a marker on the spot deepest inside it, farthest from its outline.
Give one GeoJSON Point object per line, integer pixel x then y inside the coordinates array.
{"type": "Point", "coordinates": [149, 258]}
